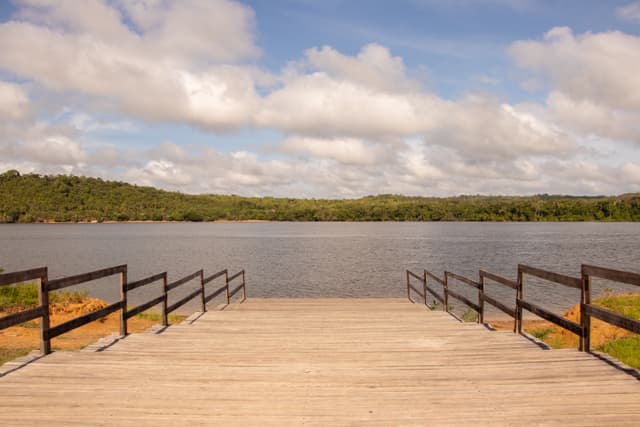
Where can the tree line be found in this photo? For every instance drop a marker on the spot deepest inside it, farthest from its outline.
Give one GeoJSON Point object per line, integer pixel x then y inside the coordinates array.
{"type": "Point", "coordinates": [28, 198]}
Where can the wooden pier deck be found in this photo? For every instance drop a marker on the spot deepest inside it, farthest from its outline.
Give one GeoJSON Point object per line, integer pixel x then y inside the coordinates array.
{"type": "Point", "coordinates": [320, 362]}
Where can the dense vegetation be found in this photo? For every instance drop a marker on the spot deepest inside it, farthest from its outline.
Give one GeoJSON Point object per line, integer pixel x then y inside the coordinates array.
{"type": "Point", "coordinates": [62, 198]}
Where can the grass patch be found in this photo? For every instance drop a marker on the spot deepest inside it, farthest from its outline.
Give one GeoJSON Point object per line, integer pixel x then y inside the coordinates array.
{"type": "Point", "coordinates": [7, 354]}
{"type": "Point", "coordinates": [626, 350]}
{"type": "Point", "coordinates": [541, 333]}
{"type": "Point", "coordinates": [626, 304]}
{"type": "Point", "coordinates": [470, 315]}
{"type": "Point", "coordinates": [157, 317]}
{"type": "Point", "coordinates": [23, 295]}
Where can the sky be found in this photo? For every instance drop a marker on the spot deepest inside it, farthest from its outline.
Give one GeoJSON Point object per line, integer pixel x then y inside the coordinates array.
{"type": "Point", "coordinates": [325, 99]}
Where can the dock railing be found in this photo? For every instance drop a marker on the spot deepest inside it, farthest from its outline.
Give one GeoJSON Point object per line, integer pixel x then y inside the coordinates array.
{"type": "Point", "coordinates": [44, 286]}
{"type": "Point", "coordinates": [583, 284]}
{"type": "Point", "coordinates": [589, 310]}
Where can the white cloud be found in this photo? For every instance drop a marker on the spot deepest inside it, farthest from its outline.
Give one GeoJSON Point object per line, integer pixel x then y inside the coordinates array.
{"type": "Point", "coordinates": [350, 151]}
{"type": "Point", "coordinates": [595, 86]}
{"type": "Point", "coordinates": [14, 103]}
{"type": "Point", "coordinates": [318, 104]}
{"type": "Point", "coordinates": [180, 67]}
{"type": "Point", "coordinates": [373, 67]}
{"type": "Point", "coordinates": [483, 129]}
{"type": "Point", "coordinates": [599, 66]}
{"type": "Point", "coordinates": [630, 12]}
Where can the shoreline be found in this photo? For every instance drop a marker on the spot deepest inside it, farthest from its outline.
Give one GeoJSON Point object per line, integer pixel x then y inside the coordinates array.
{"type": "Point", "coordinates": [151, 221]}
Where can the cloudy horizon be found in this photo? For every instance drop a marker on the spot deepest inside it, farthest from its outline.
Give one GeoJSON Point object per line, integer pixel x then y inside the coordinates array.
{"type": "Point", "coordinates": [330, 100]}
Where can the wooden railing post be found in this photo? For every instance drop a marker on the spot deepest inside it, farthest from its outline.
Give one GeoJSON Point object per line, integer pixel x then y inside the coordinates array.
{"type": "Point", "coordinates": [244, 287]}
{"type": "Point", "coordinates": [424, 286]}
{"type": "Point", "coordinates": [123, 301]}
{"type": "Point", "coordinates": [204, 303]}
{"type": "Point", "coordinates": [165, 301]}
{"type": "Point", "coordinates": [43, 300]}
{"type": "Point", "coordinates": [226, 278]}
{"type": "Point", "coordinates": [585, 318]}
{"type": "Point", "coordinates": [519, 296]}
{"type": "Point", "coordinates": [408, 291]}
{"type": "Point", "coordinates": [445, 287]}
{"type": "Point", "coordinates": [481, 300]}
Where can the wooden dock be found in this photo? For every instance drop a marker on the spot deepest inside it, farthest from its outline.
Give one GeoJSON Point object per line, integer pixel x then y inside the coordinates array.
{"type": "Point", "coordinates": [320, 362]}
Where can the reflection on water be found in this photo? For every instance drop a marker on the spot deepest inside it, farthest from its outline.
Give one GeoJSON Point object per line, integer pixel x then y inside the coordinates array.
{"type": "Point", "coordinates": [323, 259]}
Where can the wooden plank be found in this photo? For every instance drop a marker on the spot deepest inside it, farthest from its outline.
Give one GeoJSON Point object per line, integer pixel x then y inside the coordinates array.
{"type": "Point", "coordinates": [416, 290]}
{"type": "Point", "coordinates": [434, 277]}
{"type": "Point", "coordinates": [65, 282]}
{"type": "Point", "coordinates": [238, 274]}
{"type": "Point", "coordinates": [142, 282]}
{"type": "Point", "coordinates": [435, 294]}
{"type": "Point", "coordinates": [499, 279]}
{"type": "Point", "coordinates": [614, 318]}
{"type": "Point", "coordinates": [463, 279]}
{"type": "Point", "coordinates": [511, 312]}
{"type": "Point", "coordinates": [551, 317]}
{"type": "Point", "coordinates": [215, 276]}
{"type": "Point", "coordinates": [456, 295]}
{"type": "Point", "coordinates": [235, 291]}
{"type": "Point", "coordinates": [572, 282]}
{"type": "Point", "coordinates": [21, 317]}
{"type": "Point", "coordinates": [410, 273]}
{"type": "Point", "coordinates": [82, 320]}
{"type": "Point", "coordinates": [22, 276]}
{"type": "Point", "coordinates": [216, 293]}
{"type": "Point", "coordinates": [147, 305]}
{"type": "Point", "coordinates": [611, 274]}
{"type": "Point", "coordinates": [182, 281]}
{"type": "Point", "coordinates": [184, 300]}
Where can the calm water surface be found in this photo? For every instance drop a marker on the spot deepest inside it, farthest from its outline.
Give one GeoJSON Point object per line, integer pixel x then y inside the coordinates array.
{"type": "Point", "coordinates": [323, 259]}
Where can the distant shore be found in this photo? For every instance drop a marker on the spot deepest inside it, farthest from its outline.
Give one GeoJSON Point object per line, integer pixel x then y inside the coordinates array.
{"type": "Point", "coordinates": [144, 221]}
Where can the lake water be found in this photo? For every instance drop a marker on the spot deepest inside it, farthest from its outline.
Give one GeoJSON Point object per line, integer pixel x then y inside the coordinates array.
{"type": "Point", "coordinates": [324, 259]}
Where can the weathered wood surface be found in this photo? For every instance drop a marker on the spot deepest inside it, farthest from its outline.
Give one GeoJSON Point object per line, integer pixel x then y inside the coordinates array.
{"type": "Point", "coordinates": [320, 362]}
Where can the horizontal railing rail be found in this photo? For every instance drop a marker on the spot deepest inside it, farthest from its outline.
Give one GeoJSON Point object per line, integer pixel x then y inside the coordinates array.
{"type": "Point", "coordinates": [22, 276]}
{"type": "Point", "coordinates": [587, 309]}
{"type": "Point", "coordinates": [434, 277]}
{"type": "Point", "coordinates": [173, 307]}
{"type": "Point", "coordinates": [82, 320]}
{"type": "Point", "coordinates": [572, 282]}
{"type": "Point", "coordinates": [235, 276]}
{"type": "Point", "coordinates": [48, 332]}
{"type": "Point", "coordinates": [65, 282]}
{"type": "Point", "coordinates": [146, 281]}
{"type": "Point", "coordinates": [184, 280]}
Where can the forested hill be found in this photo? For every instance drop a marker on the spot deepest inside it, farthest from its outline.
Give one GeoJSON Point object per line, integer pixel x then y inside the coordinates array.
{"type": "Point", "coordinates": [36, 198]}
